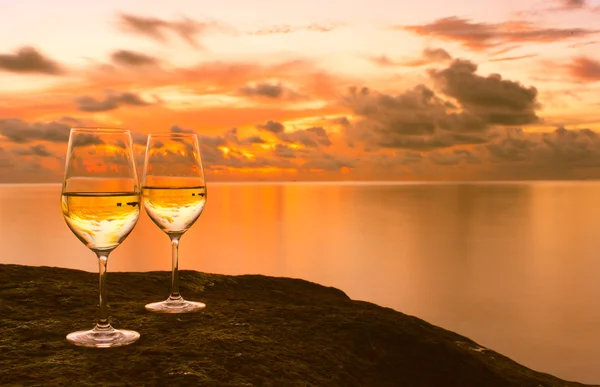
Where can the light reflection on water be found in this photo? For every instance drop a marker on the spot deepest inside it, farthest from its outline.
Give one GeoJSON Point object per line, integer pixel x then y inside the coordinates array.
{"type": "Point", "coordinates": [512, 266]}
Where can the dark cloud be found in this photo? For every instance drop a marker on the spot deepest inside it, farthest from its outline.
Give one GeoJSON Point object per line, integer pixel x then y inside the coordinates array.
{"type": "Point", "coordinates": [420, 119]}
{"type": "Point", "coordinates": [561, 150]}
{"type": "Point", "coordinates": [19, 131]}
{"type": "Point", "coordinates": [28, 60]}
{"type": "Point", "coordinates": [491, 98]}
{"type": "Point", "coordinates": [415, 119]}
{"type": "Point", "coordinates": [179, 129]}
{"type": "Point", "coordinates": [255, 140]}
{"type": "Point", "coordinates": [263, 90]}
{"type": "Point", "coordinates": [328, 162]}
{"type": "Point", "coordinates": [454, 157]}
{"type": "Point", "coordinates": [584, 69]}
{"type": "Point", "coordinates": [311, 137]}
{"type": "Point", "coordinates": [428, 56]}
{"type": "Point", "coordinates": [284, 151]}
{"type": "Point", "coordinates": [187, 29]}
{"type": "Point", "coordinates": [132, 58]}
{"type": "Point", "coordinates": [271, 126]}
{"type": "Point", "coordinates": [22, 132]}
{"type": "Point", "coordinates": [515, 146]}
{"type": "Point", "coordinates": [231, 136]}
{"type": "Point", "coordinates": [34, 150]}
{"type": "Point", "coordinates": [112, 101]}
{"type": "Point", "coordinates": [480, 36]}
{"type": "Point", "coordinates": [268, 90]}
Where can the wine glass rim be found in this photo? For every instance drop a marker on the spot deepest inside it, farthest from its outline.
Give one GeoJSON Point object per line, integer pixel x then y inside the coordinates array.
{"type": "Point", "coordinates": [95, 129]}
{"type": "Point", "coordinates": [172, 134]}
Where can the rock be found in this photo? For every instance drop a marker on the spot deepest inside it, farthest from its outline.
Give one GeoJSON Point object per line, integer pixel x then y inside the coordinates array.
{"type": "Point", "coordinates": [255, 331]}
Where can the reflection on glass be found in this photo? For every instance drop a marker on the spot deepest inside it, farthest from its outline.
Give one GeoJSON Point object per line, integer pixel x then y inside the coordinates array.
{"type": "Point", "coordinates": [100, 202]}
{"type": "Point", "coordinates": [174, 195]}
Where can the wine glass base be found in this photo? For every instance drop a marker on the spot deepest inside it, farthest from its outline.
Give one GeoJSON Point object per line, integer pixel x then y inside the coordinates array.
{"type": "Point", "coordinates": [103, 337]}
{"type": "Point", "coordinates": [178, 305]}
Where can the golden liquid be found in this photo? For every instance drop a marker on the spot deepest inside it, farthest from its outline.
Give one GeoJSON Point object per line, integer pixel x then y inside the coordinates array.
{"type": "Point", "coordinates": [174, 210]}
{"type": "Point", "coordinates": [101, 220]}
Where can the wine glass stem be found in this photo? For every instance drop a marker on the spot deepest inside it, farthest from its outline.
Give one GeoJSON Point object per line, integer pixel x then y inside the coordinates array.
{"type": "Point", "coordinates": [103, 317]}
{"type": "Point", "coordinates": [175, 274]}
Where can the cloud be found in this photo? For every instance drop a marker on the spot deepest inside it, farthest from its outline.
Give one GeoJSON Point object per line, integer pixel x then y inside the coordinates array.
{"type": "Point", "coordinates": [428, 56]}
{"type": "Point", "coordinates": [287, 29]}
{"type": "Point", "coordinates": [561, 150]}
{"type": "Point", "coordinates": [236, 155]}
{"type": "Point", "coordinates": [27, 60]}
{"type": "Point", "coordinates": [187, 29]}
{"type": "Point", "coordinates": [112, 101]}
{"type": "Point", "coordinates": [15, 168]}
{"type": "Point", "coordinates": [328, 162]}
{"type": "Point", "coordinates": [19, 131]}
{"type": "Point", "coordinates": [34, 150]}
{"type": "Point", "coordinates": [495, 100]}
{"type": "Point", "coordinates": [481, 36]}
{"type": "Point", "coordinates": [268, 90]}
{"type": "Point", "coordinates": [584, 69]}
{"type": "Point", "coordinates": [231, 136]}
{"type": "Point", "coordinates": [271, 126]}
{"type": "Point", "coordinates": [284, 151]}
{"type": "Point", "coordinates": [311, 137]}
{"type": "Point", "coordinates": [454, 157]}
{"type": "Point", "coordinates": [559, 6]}
{"type": "Point", "coordinates": [132, 58]}
{"type": "Point", "coordinates": [419, 119]}
{"type": "Point", "coordinates": [223, 77]}
{"type": "Point", "coordinates": [573, 4]}
{"type": "Point", "coordinates": [509, 58]}
{"type": "Point", "coordinates": [582, 44]}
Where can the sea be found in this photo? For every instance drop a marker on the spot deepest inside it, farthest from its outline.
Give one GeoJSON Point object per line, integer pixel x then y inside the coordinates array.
{"type": "Point", "coordinates": [514, 266]}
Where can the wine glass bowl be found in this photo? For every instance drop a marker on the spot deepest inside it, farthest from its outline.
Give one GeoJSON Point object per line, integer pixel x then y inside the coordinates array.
{"type": "Point", "coordinates": [174, 196]}
{"type": "Point", "coordinates": [100, 202]}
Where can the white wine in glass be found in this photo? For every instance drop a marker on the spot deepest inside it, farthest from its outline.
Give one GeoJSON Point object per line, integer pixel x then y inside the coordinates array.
{"type": "Point", "coordinates": [100, 202]}
{"type": "Point", "coordinates": [174, 196]}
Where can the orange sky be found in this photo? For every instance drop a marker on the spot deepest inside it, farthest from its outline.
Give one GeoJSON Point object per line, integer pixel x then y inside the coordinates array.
{"type": "Point", "coordinates": [310, 92]}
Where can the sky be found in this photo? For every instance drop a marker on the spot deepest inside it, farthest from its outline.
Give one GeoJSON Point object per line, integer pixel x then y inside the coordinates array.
{"type": "Point", "coordinates": [311, 90]}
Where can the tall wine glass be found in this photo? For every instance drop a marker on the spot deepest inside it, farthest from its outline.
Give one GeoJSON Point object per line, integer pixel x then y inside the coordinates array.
{"type": "Point", "coordinates": [174, 195]}
{"type": "Point", "coordinates": [101, 204]}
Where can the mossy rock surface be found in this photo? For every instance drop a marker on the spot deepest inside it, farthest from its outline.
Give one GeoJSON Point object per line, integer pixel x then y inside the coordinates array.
{"type": "Point", "coordinates": [255, 331]}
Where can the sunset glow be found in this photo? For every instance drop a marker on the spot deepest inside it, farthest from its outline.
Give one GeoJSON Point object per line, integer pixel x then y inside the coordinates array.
{"type": "Point", "coordinates": [372, 91]}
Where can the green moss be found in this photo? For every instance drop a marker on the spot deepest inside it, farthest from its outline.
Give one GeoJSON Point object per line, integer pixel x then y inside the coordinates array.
{"type": "Point", "coordinates": [255, 331]}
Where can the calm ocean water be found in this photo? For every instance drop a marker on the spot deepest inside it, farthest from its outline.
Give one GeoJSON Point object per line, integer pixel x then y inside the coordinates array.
{"type": "Point", "coordinates": [513, 266]}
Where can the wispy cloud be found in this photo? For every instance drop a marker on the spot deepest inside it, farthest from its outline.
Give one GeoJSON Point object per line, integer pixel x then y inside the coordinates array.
{"type": "Point", "coordinates": [187, 29]}
{"type": "Point", "coordinates": [288, 29]}
{"type": "Point", "coordinates": [584, 69]}
{"type": "Point", "coordinates": [482, 36]}
{"type": "Point", "coordinates": [509, 58]}
{"type": "Point", "coordinates": [428, 56]}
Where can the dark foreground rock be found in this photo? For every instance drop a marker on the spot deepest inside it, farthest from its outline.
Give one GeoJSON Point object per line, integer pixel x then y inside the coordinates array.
{"type": "Point", "coordinates": [255, 331]}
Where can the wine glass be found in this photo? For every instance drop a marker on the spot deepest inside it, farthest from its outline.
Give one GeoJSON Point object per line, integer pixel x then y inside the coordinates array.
{"type": "Point", "coordinates": [101, 204]}
{"type": "Point", "coordinates": [174, 195]}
